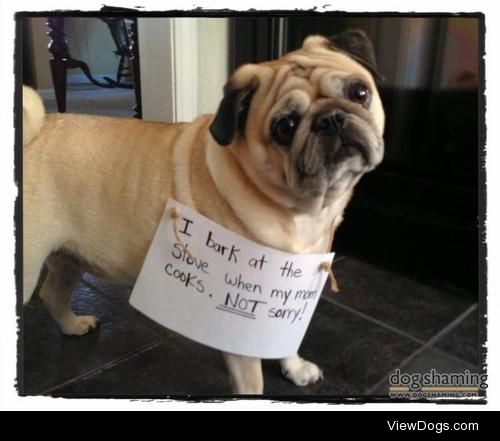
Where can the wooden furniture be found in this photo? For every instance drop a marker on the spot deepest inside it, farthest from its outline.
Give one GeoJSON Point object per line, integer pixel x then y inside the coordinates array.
{"type": "Point", "coordinates": [124, 33]}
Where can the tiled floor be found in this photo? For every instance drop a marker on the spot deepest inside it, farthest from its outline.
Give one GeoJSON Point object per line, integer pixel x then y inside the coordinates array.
{"type": "Point", "coordinates": [356, 345]}
{"type": "Point", "coordinates": [380, 321]}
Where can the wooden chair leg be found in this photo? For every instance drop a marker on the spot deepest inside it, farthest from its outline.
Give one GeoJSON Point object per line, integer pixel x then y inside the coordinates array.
{"type": "Point", "coordinates": [58, 69]}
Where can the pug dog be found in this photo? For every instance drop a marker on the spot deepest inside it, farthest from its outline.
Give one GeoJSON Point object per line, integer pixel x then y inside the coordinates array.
{"type": "Point", "coordinates": [277, 163]}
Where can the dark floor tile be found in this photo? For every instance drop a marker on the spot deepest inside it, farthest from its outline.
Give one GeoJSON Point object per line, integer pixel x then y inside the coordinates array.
{"type": "Point", "coordinates": [353, 353]}
{"type": "Point", "coordinates": [113, 292]}
{"type": "Point", "coordinates": [178, 367]}
{"type": "Point", "coordinates": [120, 295]}
{"type": "Point", "coordinates": [415, 308]}
{"type": "Point", "coordinates": [424, 362]}
{"type": "Point", "coordinates": [51, 358]}
{"type": "Point", "coordinates": [435, 359]}
{"type": "Point", "coordinates": [463, 340]}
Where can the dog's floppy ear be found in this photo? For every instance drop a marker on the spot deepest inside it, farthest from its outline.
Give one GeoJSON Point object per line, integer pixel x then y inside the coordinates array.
{"type": "Point", "coordinates": [357, 45]}
{"type": "Point", "coordinates": [232, 113]}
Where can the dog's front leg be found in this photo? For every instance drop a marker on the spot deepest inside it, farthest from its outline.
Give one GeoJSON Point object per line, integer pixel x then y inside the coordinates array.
{"type": "Point", "coordinates": [246, 374]}
{"type": "Point", "coordinates": [299, 371]}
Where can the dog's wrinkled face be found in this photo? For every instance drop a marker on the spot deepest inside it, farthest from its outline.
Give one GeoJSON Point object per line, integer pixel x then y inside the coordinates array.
{"type": "Point", "coordinates": [309, 122]}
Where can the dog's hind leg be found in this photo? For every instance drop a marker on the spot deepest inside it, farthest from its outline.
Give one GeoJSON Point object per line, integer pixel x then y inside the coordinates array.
{"type": "Point", "coordinates": [33, 258]}
{"type": "Point", "coordinates": [246, 374]}
{"type": "Point", "coordinates": [62, 278]}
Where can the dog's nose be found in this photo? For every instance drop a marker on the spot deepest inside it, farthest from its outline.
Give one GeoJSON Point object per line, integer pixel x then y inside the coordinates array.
{"type": "Point", "coordinates": [331, 122]}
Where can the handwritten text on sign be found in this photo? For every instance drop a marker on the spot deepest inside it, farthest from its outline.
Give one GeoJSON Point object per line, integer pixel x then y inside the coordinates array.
{"type": "Point", "coordinates": [236, 295]}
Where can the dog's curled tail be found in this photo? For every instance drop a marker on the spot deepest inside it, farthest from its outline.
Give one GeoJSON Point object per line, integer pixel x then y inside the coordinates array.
{"type": "Point", "coordinates": [33, 114]}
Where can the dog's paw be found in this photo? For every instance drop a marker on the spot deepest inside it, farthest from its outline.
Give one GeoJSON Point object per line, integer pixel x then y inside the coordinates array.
{"type": "Point", "coordinates": [301, 372]}
{"type": "Point", "coordinates": [79, 325]}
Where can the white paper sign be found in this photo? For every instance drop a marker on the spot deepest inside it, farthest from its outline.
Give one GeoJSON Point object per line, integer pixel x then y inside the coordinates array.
{"type": "Point", "coordinates": [239, 297]}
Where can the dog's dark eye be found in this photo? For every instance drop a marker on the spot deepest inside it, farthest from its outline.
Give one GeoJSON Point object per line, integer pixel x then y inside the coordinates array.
{"type": "Point", "coordinates": [358, 93]}
{"type": "Point", "coordinates": [284, 129]}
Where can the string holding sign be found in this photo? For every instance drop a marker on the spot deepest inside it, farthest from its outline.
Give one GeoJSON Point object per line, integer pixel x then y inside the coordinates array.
{"type": "Point", "coordinates": [325, 266]}
{"type": "Point", "coordinates": [175, 214]}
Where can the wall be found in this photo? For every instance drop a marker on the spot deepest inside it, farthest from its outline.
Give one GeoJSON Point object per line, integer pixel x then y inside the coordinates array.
{"type": "Point", "coordinates": [89, 40]}
{"type": "Point", "coordinates": [213, 38]}
{"type": "Point", "coordinates": [184, 66]}
{"type": "Point", "coordinates": [39, 44]}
